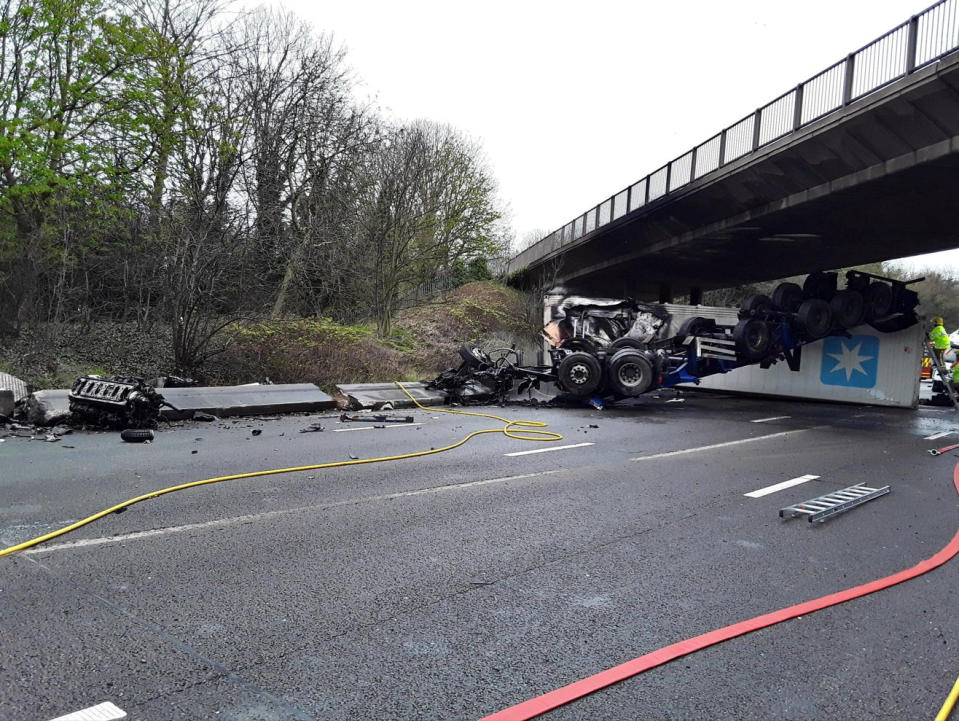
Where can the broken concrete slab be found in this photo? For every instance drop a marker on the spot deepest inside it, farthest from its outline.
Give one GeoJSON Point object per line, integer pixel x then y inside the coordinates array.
{"type": "Point", "coordinates": [374, 395]}
{"type": "Point", "coordinates": [49, 407]}
{"type": "Point", "coordinates": [252, 400]}
{"type": "Point", "coordinates": [14, 384]}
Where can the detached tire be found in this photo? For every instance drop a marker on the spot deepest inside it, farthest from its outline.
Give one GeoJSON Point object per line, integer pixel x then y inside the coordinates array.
{"type": "Point", "coordinates": [136, 435]}
{"type": "Point", "coordinates": [752, 338]}
{"type": "Point", "coordinates": [787, 297]}
{"type": "Point", "coordinates": [880, 300]}
{"type": "Point", "coordinates": [848, 308]}
{"type": "Point", "coordinates": [815, 318]}
{"type": "Point", "coordinates": [629, 373]}
{"type": "Point", "coordinates": [580, 374]}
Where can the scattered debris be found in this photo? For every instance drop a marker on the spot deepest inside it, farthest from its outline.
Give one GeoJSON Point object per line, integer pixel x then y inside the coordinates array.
{"type": "Point", "coordinates": [205, 417]}
{"type": "Point", "coordinates": [347, 418]}
{"type": "Point", "coordinates": [313, 428]}
{"type": "Point", "coordinates": [255, 432]}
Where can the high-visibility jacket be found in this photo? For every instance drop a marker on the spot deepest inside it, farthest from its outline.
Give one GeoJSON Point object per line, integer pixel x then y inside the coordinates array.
{"type": "Point", "coordinates": [939, 337]}
{"type": "Point", "coordinates": [955, 373]}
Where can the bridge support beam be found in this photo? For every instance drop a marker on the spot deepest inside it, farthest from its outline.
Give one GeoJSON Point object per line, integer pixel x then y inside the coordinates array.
{"type": "Point", "coordinates": [695, 295]}
{"type": "Point", "coordinates": [665, 294]}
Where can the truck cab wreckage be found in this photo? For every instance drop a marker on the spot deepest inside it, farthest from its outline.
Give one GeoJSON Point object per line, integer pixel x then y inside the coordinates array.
{"type": "Point", "coordinates": [609, 348]}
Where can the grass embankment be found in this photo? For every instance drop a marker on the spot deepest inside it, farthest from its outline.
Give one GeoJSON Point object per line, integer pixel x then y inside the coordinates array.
{"type": "Point", "coordinates": [315, 350]}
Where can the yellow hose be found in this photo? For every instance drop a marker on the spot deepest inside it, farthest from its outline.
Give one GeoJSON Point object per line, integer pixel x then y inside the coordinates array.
{"type": "Point", "coordinates": [950, 702]}
{"type": "Point", "coordinates": [508, 430]}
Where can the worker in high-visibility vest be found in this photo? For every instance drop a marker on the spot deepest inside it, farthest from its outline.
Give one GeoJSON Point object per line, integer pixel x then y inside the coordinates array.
{"type": "Point", "coordinates": [955, 374]}
{"type": "Point", "coordinates": [939, 338]}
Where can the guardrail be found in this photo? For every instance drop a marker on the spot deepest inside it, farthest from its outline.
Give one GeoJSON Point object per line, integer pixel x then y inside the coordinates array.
{"type": "Point", "coordinates": [919, 41]}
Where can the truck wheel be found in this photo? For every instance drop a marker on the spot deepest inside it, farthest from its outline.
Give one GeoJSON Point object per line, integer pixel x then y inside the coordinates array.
{"type": "Point", "coordinates": [695, 326]}
{"type": "Point", "coordinates": [752, 338]}
{"type": "Point", "coordinates": [880, 300]}
{"type": "Point", "coordinates": [754, 305]}
{"type": "Point", "coordinates": [629, 373]}
{"type": "Point", "coordinates": [579, 374]}
{"type": "Point", "coordinates": [621, 343]}
{"type": "Point", "coordinates": [787, 297]}
{"type": "Point", "coordinates": [815, 318]}
{"type": "Point", "coordinates": [820, 285]}
{"type": "Point", "coordinates": [848, 308]}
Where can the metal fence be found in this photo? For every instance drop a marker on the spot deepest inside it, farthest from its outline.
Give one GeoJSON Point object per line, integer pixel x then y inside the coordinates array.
{"type": "Point", "coordinates": [919, 41]}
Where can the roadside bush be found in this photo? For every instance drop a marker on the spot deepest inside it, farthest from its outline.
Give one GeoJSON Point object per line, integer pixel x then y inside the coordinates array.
{"type": "Point", "coordinates": [310, 351]}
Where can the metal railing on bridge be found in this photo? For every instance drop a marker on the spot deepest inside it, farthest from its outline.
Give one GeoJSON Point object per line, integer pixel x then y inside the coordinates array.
{"type": "Point", "coordinates": [919, 41]}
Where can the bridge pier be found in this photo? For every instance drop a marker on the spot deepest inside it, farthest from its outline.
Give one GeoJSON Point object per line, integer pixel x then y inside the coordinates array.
{"type": "Point", "coordinates": [665, 294]}
{"type": "Point", "coordinates": [696, 295]}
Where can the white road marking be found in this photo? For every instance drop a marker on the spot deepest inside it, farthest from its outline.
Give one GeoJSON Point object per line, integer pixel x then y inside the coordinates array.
{"type": "Point", "coordinates": [766, 420]}
{"type": "Point", "coordinates": [722, 445]}
{"type": "Point", "coordinates": [780, 486]}
{"type": "Point", "coordinates": [547, 450]}
{"type": "Point", "coordinates": [273, 514]}
{"type": "Point", "coordinates": [370, 428]}
{"type": "Point", "coordinates": [934, 436]}
{"type": "Point", "coordinates": [105, 711]}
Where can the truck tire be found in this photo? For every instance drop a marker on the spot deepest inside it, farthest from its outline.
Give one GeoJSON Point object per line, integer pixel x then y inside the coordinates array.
{"type": "Point", "coordinates": [136, 435]}
{"type": "Point", "coordinates": [755, 305]}
{"type": "Point", "coordinates": [787, 297]}
{"type": "Point", "coordinates": [752, 338]}
{"type": "Point", "coordinates": [695, 326]}
{"type": "Point", "coordinates": [629, 373]}
{"type": "Point", "coordinates": [880, 300]}
{"type": "Point", "coordinates": [579, 374]}
{"type": "Point", "coordinates": [848, 308]}
{"type": "Point", "coordinates": [815, 318]}
{"type": "Point", "coordinates": [620, 343]}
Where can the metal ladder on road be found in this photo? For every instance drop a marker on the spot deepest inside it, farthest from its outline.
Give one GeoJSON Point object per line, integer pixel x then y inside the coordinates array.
{"type": "Point", "coordinates": [943, 378]}
{"type": "Point", "coordinates": [823, 507]}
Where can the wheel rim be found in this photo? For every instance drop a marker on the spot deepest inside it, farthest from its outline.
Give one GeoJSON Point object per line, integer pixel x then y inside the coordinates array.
{"type": "Point", "coordinates": [579, 374]}
{"type": "Point", "coordinates": [630, 375]}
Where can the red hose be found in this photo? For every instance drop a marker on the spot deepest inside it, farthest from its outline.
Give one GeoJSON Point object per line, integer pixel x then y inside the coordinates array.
{"type": "Point", "coordinates": [564, 695]}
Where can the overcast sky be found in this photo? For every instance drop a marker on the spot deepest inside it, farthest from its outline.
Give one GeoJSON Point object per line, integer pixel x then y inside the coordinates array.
{"type": "Point", "coordinates": [574, 101]}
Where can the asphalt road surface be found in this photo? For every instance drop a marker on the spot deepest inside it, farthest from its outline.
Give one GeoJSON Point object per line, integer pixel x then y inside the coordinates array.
{"type": "Point", "coordinates": [455, 585]}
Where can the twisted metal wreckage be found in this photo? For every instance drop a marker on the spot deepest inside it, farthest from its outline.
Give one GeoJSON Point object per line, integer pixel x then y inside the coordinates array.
{"type": "Point", "coordinates": [619, 348]}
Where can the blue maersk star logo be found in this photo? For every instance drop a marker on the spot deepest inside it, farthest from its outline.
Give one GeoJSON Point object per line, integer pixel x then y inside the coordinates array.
{"type": "Point", "coordinates": [851, 362]}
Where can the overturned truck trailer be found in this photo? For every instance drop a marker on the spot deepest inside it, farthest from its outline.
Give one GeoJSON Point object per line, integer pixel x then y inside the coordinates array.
{"type": "Point", "coordinates": [608, 348]}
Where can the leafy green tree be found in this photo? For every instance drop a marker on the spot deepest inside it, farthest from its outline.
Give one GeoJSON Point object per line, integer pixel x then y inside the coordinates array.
{"type": "Point", "coordinates": [67, 87]}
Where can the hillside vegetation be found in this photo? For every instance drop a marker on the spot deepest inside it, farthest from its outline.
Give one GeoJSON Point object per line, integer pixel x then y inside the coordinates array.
{"type": "Point", "coordinates": [424, 341]}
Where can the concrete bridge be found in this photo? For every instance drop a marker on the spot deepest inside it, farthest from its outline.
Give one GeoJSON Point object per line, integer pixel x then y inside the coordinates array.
{"type": "Point", "coordinates": [858, 164]}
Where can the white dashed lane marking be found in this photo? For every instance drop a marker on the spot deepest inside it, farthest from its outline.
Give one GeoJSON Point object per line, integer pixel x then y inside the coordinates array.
{"type": "Point", "coordinates": [266, 515]}
{"type": "Point", "coordinates": [934, 436]}
{"type": "Point", "coordinates": [105, 711]}
{"type": "Point", "coordinates": [774, 418]}
{"type": "Point", "coordinates": [547, 450]}
{"type": "Point", "coordinates": [723, 445]}
{"type": "Point", "coordinates": [780, 486]}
